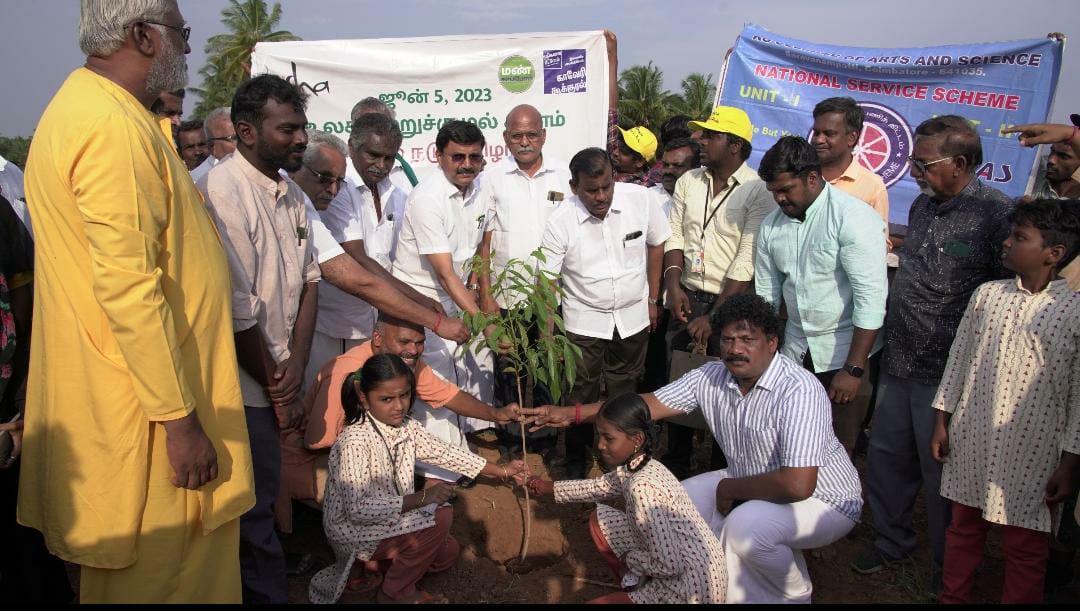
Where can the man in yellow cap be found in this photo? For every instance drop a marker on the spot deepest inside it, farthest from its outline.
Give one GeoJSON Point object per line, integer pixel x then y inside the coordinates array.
{"type": "Point", "coordinates": [715, 214]}
{"type": "Point", "coordinates": [632, 152]}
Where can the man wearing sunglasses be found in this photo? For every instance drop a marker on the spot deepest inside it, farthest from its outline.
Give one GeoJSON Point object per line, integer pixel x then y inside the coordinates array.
{"type": "Point", "coordinates": [953, 244]}
{"type": "Point", "coordinates": [444, 222]}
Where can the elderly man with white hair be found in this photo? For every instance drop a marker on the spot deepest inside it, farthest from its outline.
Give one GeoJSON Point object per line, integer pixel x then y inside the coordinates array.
{"type": "Point", "coordinates": [220, 135]}
{"type": "Point", "coordinates": [136, 461]}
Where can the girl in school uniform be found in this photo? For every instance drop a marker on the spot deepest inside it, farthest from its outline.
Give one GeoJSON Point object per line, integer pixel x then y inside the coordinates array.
{"type": "Point", "coordinates": [372, 512]}
{"type": "Point", "coordinates": [660, 547]}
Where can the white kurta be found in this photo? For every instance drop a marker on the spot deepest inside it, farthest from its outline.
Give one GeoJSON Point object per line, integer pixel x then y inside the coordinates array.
{"type": "Point", "coordinates": [1012, 384]}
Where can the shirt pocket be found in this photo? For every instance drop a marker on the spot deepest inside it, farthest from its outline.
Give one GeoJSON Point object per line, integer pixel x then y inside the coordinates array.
{"type": "Point", "coordinates": [633, 250]}
{"type": "Point", "coordinates": [760, 448]}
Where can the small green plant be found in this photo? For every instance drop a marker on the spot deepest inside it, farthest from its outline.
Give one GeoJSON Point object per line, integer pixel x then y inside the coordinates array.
{"type": "Point", "coordinates": [532, 297]}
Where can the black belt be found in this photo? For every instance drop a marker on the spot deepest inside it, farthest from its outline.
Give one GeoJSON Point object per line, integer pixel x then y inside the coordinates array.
{"type": "Point", "coordinates": [701, 296]}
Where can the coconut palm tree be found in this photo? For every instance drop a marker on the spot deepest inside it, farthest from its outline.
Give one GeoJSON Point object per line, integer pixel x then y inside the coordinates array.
{"type": "Point", "coordinates": [696, 99]}
{"type": "Point", "coordinates": [642, 97]}
{"type": "Point", "coordinates": [228, 63]}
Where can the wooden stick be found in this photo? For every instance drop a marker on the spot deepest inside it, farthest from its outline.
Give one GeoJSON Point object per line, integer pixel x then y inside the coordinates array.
{"type": "Point", "coordinates": [524, 459]}
{"type": "Point", "coordinates": [593, 582]}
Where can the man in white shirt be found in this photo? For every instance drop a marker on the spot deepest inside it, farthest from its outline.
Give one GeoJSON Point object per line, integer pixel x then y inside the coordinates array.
{"type": "Point", "coordinates": [443, 225]}
{"type": "Point", "coordinates": [525, 190]}
{"type": "Point", "coordinates": [358, 217]}
{"type": "Point", "coordinates": [401, 174]}
{"type": "Point", "coordinates": [221, 138]}
{"type": "Point", "coordinates": [11, 187]}
{"type": "Point", "coordinates": [607, 241]}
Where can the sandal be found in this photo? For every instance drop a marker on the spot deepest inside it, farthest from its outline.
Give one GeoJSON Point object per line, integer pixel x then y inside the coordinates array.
{"type": "Point", "coordinates": [366, 582]}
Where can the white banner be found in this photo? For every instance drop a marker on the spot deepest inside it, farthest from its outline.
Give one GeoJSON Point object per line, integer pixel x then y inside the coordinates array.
{"type": "Point", "coordinates": [429, 81]}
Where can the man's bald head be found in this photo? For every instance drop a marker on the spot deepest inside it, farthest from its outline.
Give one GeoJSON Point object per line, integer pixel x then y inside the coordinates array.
{"type": "Point", "coordinates": [525, 136]}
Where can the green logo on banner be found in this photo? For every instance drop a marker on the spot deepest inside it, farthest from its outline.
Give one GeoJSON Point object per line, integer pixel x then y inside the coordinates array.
{"type": "Point", "coordinates": [516, 74]}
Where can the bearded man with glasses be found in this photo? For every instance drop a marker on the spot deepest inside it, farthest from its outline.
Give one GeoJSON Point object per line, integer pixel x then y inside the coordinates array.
{"type": "Point", "coordinates": [136, 464]}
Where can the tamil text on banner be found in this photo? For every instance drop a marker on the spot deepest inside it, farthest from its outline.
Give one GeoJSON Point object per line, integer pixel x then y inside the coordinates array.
{"type": "Point", "coordinates": [779, 80]}
{"type": "Point", "coordinates": [430, 81]}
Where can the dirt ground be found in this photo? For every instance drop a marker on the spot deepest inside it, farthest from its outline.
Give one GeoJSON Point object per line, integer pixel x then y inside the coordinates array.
{"type": "Point", "coordinates": [565, 567]}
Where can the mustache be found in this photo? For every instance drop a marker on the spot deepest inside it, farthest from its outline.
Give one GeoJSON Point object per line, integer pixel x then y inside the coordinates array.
{"type": "Point", "coordinates": [736, 359]}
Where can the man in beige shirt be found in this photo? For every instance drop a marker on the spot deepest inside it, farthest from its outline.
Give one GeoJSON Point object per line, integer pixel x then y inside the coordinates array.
{"type": "Point", "coordinates": [715, 214]}
{"type": "Point", "coordinates": [838, 124]}
{"type": "Point", "coordinates": [267, 236]}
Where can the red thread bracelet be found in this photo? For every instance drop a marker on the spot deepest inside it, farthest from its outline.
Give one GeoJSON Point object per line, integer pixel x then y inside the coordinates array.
{"type": "Point", "coordinates": [577, 414]}
{"type": "Point", "coordinates": [438, 321]}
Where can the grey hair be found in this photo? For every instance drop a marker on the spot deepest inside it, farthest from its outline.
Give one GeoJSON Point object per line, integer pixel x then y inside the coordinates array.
{"type": "Point", "coordinates": [369, 104]}
{"type": "Point", "coordinates": [219, 113]}
{"type": "Point", "coordinates": [103, 23]}
{"type": "Point", "coordinates": [318, 139]}
{"type": "Point", "coordinates": [373, 124]}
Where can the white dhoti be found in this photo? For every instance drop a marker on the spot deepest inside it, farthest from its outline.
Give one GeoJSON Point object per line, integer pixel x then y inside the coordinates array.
{"type": "Point", "coordinates": [472, 373]}
{"type": "Point", "coordinates": [762, 541]}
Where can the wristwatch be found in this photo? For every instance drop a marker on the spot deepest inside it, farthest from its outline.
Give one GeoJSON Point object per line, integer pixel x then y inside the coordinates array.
{"type": "Point", "coordinates": [853, 371]}
{"type": "Point", "coordinates": [654, 301]}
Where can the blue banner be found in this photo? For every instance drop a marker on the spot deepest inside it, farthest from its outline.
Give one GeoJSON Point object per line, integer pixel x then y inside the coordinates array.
{"type": "Point", "coordinates": [778, 80]}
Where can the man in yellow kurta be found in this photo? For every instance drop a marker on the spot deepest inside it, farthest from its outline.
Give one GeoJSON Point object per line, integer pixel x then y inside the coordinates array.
{"type": "Point", "coordinates": [136, 462]}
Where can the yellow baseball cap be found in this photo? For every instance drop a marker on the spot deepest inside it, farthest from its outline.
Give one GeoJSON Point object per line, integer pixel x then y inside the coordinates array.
{"type": "Point", "coordinates": [728, 120]}
{"type": "Point", "coordinates": [641, 140]}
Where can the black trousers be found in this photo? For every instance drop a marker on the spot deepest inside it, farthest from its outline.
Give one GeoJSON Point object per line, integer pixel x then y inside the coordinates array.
{"type": "Point", "coordinates": [680, 439]}
{"type": "Point", "coordinates": [262, 559]}
{"type": "Point", "coordinates": [506, 392]}
{"type": "Point", "coordinates": [615, 364]}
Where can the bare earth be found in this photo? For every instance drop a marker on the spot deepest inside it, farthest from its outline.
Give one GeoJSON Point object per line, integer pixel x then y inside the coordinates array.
{"type": "Point", "coordinates": [564, 567]}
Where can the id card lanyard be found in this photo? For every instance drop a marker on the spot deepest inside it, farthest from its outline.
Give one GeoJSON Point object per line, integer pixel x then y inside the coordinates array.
{"type": "Point", "coordinates": [697, 261]}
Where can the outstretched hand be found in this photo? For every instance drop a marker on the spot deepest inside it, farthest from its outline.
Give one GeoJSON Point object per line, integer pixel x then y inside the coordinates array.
{"type": "Point", "coordinates": [539, 486]}
{"type": "Point", "coordinates": [518, 471]}
{"type": "Point", "coordinates": [547, 416]}
{"type": "Point", "coordinates": [1032, 134]}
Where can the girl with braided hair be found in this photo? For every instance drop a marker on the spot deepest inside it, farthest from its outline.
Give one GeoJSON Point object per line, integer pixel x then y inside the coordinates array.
{"type": "Point", "coordinates": [660, 547]}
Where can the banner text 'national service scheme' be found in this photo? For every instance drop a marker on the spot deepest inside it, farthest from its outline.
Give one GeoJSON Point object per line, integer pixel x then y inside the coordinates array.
{"type": "Point", "coordinates": [430, 81]}
{"type": "Point", "coordinates": [779, 80]}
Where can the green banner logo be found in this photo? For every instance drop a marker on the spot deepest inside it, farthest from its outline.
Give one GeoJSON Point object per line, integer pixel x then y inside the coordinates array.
{"type": "Point", "coordinates": [516, 74]}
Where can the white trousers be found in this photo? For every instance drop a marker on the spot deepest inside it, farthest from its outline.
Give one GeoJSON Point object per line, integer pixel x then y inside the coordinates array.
{"type": "Point", "coordinates": [472, 373]}
{"type": "Point", "coordinates": [762, 541]}
{"type": "Point", "coordinates": [323, 348]}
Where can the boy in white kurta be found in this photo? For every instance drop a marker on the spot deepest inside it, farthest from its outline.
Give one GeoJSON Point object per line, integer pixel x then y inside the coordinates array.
{"type": "Point", "coordinates": [1008, 426]}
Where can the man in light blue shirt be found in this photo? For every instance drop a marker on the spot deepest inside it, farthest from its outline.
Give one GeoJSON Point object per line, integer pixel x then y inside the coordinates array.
{"type": "Point", "coordinates": [823, 253]}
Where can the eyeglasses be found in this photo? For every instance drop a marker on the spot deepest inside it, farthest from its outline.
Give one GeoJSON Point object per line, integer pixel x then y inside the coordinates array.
{"type": "Point", "coordinates": [326, 179]}
{"type": "Point", "coordinates": [233, 138]}
{"type": "Point", "coordinates": [475, 158]}
{"type": "Point", "coordinates": [185, 30]}
{"type": "Point", "coordinates": [922, 165]}
{"type": "Point", "coordinates": [530, 136]}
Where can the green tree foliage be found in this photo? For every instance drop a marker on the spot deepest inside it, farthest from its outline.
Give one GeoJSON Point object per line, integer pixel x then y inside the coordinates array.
{"type": "Point", "coordinates": [228, 64]}
{"type": "Point", "coordinates": [696, 99]}
{"type": "Point", "coordinates": [642, 98]}
{"type": "Point", "coordinates": [15, 150]}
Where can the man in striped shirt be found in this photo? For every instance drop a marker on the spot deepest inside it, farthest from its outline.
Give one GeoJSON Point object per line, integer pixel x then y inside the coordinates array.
{"type": "Point", "coordinates": [789, 484]}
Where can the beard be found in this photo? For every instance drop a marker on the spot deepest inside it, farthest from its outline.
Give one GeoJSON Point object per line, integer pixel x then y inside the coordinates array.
{"type": "Point", "coordinates": [168, 72]}
{"type": "Point", "coordinates": [279, 158]}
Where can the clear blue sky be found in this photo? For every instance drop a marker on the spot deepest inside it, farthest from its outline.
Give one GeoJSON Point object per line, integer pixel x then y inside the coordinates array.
{"type": "Point", "coordinates": [38, 45]}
